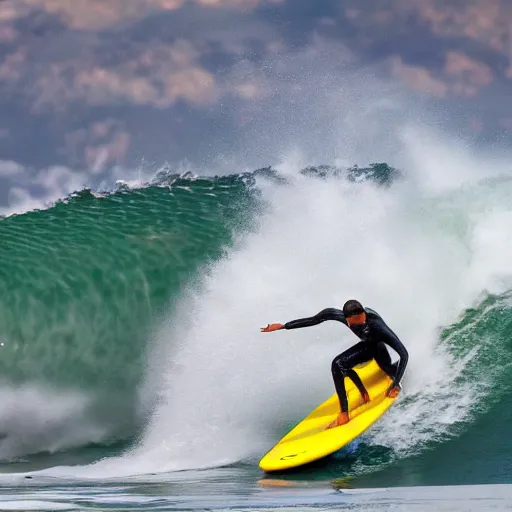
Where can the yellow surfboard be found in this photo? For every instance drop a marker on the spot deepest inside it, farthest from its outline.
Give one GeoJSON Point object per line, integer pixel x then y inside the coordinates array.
{"type": "Point", "coordinates": [310, 441]}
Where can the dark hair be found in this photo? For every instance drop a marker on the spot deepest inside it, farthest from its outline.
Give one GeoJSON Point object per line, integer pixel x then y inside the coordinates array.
{"type": "Point", "coordinates": [352, 307]}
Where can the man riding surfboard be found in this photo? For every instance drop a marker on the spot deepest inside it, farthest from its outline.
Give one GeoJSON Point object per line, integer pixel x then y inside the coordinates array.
{"type": "Point", "coordinates": [374, 334]}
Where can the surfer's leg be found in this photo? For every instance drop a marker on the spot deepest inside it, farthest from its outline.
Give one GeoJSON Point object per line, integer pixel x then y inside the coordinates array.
{"type": "Point", "coordinates": [383, 359]}
{"type": "Point", "coordinates": [342, 367]}
{"type": "Point", "coordinates": [339, 383]}
{"type": "Point", "coordinates": [352, 374]}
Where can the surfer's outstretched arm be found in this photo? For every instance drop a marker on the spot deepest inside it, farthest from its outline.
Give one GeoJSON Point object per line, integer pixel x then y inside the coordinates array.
{"type": "Point", "coordinates": [325, 314]}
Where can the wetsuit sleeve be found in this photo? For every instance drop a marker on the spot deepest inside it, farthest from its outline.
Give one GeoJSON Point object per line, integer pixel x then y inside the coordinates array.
{"type": "Point", "coordinates": [386, 335]}
{"type": "Point", "coordinates": [325, 314]}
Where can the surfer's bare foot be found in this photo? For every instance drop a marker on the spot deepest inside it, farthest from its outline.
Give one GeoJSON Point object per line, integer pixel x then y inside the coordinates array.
{"type": "Point", "coordinates": [366, 397]}
{"type": "Point", "coordinates": [340, 420]}
{"type": "Point", "coordinates": [393, 391]}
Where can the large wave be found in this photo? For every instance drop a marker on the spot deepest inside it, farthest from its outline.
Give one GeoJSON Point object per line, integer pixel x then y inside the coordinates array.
{"type": "Point", "coordinates": [317, 244]}
{"type": "Point", "coordinates": [84, 283]}
{"type": "Point", "coordinates": [153, 298]}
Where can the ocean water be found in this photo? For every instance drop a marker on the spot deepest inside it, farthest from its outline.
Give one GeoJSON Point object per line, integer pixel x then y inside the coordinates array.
{"type": "Point", "coordinates": [134, 375]}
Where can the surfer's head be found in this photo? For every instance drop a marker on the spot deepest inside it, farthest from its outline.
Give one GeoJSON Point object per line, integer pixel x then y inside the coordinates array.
{"type": "Point", "coordinates": [354, 312]}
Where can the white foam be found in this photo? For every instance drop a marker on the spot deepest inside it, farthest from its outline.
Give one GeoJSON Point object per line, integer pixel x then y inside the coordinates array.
{"type": "Point", "coordinates": [36, 419]}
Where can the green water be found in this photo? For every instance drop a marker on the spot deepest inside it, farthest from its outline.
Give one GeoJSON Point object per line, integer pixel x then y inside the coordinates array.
{"type": "Point", "coordinates": [82, 281]}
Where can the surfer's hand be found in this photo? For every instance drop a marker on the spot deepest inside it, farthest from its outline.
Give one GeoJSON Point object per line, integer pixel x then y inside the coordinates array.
{"type": "Point", "coordinates": [271, 327]}
{"type": "Point", "coordinates": [393, 390]}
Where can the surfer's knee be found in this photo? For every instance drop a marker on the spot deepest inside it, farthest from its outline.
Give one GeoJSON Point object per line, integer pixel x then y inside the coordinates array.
{"type": "Point", "coordinates": [339, 365]}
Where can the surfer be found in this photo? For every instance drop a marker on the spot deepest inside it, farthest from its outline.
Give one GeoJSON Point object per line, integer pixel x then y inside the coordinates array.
{"type": "Point", "coordinates": [374, 334]}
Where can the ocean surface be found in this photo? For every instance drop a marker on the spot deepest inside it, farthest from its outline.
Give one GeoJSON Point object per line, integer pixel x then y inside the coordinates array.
{"type": "Point", "coordinates": [134, 375]}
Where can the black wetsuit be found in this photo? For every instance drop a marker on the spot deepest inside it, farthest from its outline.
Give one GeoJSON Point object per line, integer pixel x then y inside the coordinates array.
{"type": "Point", "coordinates": [374, 334]}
